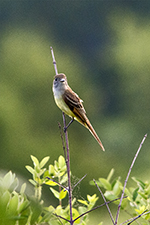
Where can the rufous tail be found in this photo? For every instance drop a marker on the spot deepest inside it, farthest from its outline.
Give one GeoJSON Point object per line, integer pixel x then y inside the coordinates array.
{"type": "Point", "coordinates": [91, 129]}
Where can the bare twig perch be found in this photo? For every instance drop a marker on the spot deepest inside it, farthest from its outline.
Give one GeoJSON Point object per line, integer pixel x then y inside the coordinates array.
{"type": "Point", "coordinates": [67, 150]}
{"type": "Point", "coordinates": [54, 61]}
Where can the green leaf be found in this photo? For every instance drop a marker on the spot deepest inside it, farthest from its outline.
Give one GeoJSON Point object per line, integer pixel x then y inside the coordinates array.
{"type": "Point", "coordinates": [83, 202]}
{"type": "Point", "coordinates": [48, 214]}
{"type": "Point", "coordinates": [60, 174]}
{"type": "Point", "coordinates": [111, 173]}
{"type": "Point", "coordinates": [13, 205]}
{"type": "Point", "coordinates": [46, 174]}
{"type": "Point", "coordinates": [135, 194]}
{"type": "Point", "coordinates": [59, 210]}
{"type": "Point", "coordinates": [56, 165]}
{"type": "Point", "coordinates": [7, 180]}
{"type": "Point", "coordinates": [22, 189]}
{"type": "Point", "coordinates": [30, 169]}
{"type": "Point", "coordinates": [75, 215]}
{"type": "Point", "coordinates": [14, 184]}
{"type": "Point", "coordinates": [23, 206]}
{"type": "Point", "coordinates": [147, 190]}
{"type": "Point", "coordinates": [33, 182]}
{"type": "Point", "coordinates": [116, 188]}
{"type": "Point", "coordinates": [82, 209]}
{"type": "Point", "coordinates": [51, 170]}
{"type": "Point", "coordinates": [63, 194]}
{"type": "Point", "coordinates": [143, 195]}
{"type": "Point", "coordinates": [105, 183]}
{"type": "Point", "coordinates": [37, 169]}
{"type": "Point", "coordinates": [141, 209]}
{"type": "Point", "coordinates": [51, 183]}
{"type": "Point", "coordinates": [64, 179]}
{"type": "Point", "coordinates": [61, 161]}
{"type": "Point", "coordinates": [56, 193]}
{"type": "Point", "coordinates": [139, 182]}
{"type": "Point", "coordinates": [5, 198]}
{"type": "Point", "coordinates": [42, 171]}
{"type": "Point", "coordinates": [92, 182]}
{"type": "Point", "coordinates": [44, 161]}
{"type": "Point", "coordinates": [92, 198]}
{"type": "Point", "coordinates": [35, 160]}
{"type": "Point", "coordinates": [109, 195]}
{"type": "Point", "coordinates": [127, 192]}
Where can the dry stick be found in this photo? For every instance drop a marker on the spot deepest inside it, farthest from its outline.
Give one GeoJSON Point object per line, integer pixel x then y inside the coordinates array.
{"type": "Point", "coordinates": [67, 148]}
{"type": "Point", "coordinates": [68, 171]}
{"type": "Point", "coordinates": [79, 181]}
{"type": "Point", "coordinates": [125, 183]}
{"type": "Point", "coordinates": [54, 61]}
{"type": "Point", "coordinates": [105, 201]}
{"type": "Point", "coordinates": [137, 217]}
{"type": "Point", "coordinates": [131, 220]}
{"type": "Point", "coordinates": [62, 140]}
{"type": "Point", "coordinates": [56, 71]}
{"type": "Point", "coordinates": [61, 217]}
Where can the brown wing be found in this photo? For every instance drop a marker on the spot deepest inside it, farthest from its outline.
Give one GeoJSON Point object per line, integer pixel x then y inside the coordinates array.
{"type": "Point", "coordinates": [75, 104]}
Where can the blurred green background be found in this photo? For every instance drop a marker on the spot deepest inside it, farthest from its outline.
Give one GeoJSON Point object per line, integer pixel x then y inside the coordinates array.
{"type": "Point", "coordinates": [104, 49]}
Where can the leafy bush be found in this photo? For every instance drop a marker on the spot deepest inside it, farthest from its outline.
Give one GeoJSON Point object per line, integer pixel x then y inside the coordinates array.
{"type": "Point", "coordinates": [18, 209]}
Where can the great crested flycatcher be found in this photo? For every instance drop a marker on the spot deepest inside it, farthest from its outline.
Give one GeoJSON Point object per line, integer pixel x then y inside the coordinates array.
{"type": "Point", "coordinates": [70, 103]}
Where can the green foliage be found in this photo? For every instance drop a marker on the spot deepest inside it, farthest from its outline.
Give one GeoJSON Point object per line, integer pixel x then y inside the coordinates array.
{"type": "Point", "coordinates": [15, 208]}
{"type": "Point", "coordinates": [138, 197]}
{"type": "Point", "coordinates": [56, 176]}
{"type": "Point", "coordinates": [18, 209]}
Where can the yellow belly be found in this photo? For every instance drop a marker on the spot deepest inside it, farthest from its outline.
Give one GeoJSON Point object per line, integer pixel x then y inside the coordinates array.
{"type": "Point", "coordinates": [63, 106]}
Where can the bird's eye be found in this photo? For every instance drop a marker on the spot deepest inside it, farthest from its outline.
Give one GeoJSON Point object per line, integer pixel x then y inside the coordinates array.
{"type": "Point", "coordinates": [62, 80]}
{"type": "Point", "coordinates": [55, 79]}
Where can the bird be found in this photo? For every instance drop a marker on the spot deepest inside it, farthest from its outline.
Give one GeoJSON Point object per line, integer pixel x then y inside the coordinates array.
{"type": "Point", "coordinates": [70, 103]}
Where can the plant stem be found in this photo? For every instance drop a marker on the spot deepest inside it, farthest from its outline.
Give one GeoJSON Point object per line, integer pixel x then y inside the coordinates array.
{"type": "Point", "coordinates": [125, 183]}
{"type": "Point", "coordinates": [111, 216]}
{"type": "Point", "coordinates": [67, 148]}
{"type": "Point", "coordinates": [68, 170]}
{"type": "Point", "coordinates": [54, 61]}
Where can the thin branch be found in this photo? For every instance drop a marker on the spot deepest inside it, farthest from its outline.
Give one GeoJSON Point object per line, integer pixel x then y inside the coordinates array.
{"type": "Point", "coordinates": [128, 220]}
{"type": "Point", "coordinates": [68, 170]}
{"type": "Point", "coordinates": [61, 217]}
{"type": "Point", "coordinates": [54, 61]}
{"type": "Point", "coordinates": [62, 138]}
{"type": "Point", "coordinates": [137, 217]}
{"type": "Point", "coordinates": [111, 216]}
{"type": "Point", "coordinates": [57, 183]}
{"type": "Point", "coordinates": [83, 214]}
{"type": "Point", "coordinates": [125, 183]}
{"type": "Point", "coordinates": [79, 181]}
{"type": "Point", "coordinates": [67, 150]}
{"type": "Point", "coordinates": [58, 218]}
{"type": "Point", "coordinates": [131, 220]}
